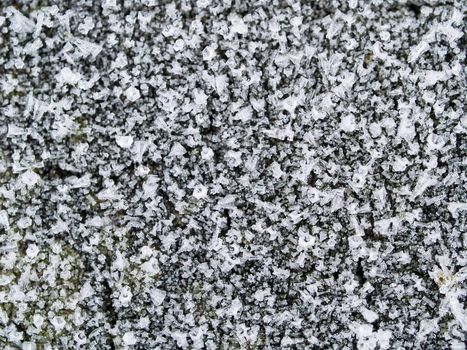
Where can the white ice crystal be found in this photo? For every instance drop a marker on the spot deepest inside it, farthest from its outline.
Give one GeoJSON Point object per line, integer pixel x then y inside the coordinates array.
{"type": "Point", "coordinates": [29, 346]}
{"type": "Point", "coordinates": [18, 22]}
{"type": "Point", "coordinates": [417, 51]}
{"type": "Point", "coordinates": [276, 170]}
{"type": "Point", "coordinates": [158, 296]}
{"type": "Point", "coordinates": [67, 76]}
{"type": "Point", "coordinates": [305, 240]}
{"type": "Point", "coordinates": [207, 153]}
{"type": "Point", "coordinates": [432, 77]}
{"type": "Point", "coordinates": [220, 83]}
{"type": "Point", "coordinates": [38, 321]}
{"type": "Point", "coordinates": [348, 123]}
{"type": "Point", "coordinates": [86, 291]}
{"type": "Point", "coordinates": [238, 25]}
{"type": "Point", "coordinates": [30, 178]}
{"type": "Point", "coordinates": [234, 158]}
{"type": "Point", "coordinates": [58, 322]}
{"type": "Point", "coordinates": [200, 98]}
{"type": "Point", "coordinates": [177, 150]}
{"type": "Point", "coordinates": [368, 315]}
{"type": "Point", "coordinates": [132, 94]}
{"type": "Point", "coordinates": [4, 221]}
{"type": "Point", "coordinates": [209, 52]}
{"type": "Point", "coordinates": [121, 61]}
{"type": "Point", "coordinates": [456, 207]}
{"type": "Point", "coordinates": [32, 251]}
{"type": "Point", "coordinates": [124, 141]}
{"type": "Point", "coordinates": [400, 164]}
{"type": "Point", "coordinates": [129, 338]}
{"type": "Point", "coordinates": [86, 25]}
{"type": "Point", "coordinates": [87, 48]}
{"type": "Point", "coordinates": [150, 186]}
{"type": "Point", "coordinates": [235, 307]}
{"type": "Point", "coordinates": [244, 114]}
{"type": "Point", "coordinates": [139, 149]}
{"type": "Point", "coordinates": [424, 181]}
{"type": "Point", "coordinates": [200, 191]}
{"type": "Point", "coordinates": [5, 280]}
{"type": "Point", "coordinates": [125, 296]}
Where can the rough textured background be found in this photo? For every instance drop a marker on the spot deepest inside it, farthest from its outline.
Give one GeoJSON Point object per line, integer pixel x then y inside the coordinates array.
{"type": "Point", "coordinates": [232, 174]}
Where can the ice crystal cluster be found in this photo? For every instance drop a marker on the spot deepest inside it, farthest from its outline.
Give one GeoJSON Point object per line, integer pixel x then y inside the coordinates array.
{"type": "Point", "coordinates": [229, 174]}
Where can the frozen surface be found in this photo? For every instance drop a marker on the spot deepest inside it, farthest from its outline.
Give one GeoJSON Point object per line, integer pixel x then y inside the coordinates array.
{"type": "Point", "coordinates": [232, 174]}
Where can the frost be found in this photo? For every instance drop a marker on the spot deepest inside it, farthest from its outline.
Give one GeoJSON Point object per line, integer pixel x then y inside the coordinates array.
{"type": "Point", "coordinates": [235, 307]}
{"type": "Point", "coordinates": [14, 130]}
{"type": "Point", "coordinates": [4, 219]}
{"type": "Point", "coordinates": [67, 76]}
{"type": "Point", "coordinates": [81, 182]}
{"type": "Point", "coordinates": [124, 141]}
{"type": "Point", "coordinates": [5, 280]}
{"type": "Point", "coordinates": [209, 52]}
{"type": "Point", "coordinates": [432, 77]}
{"type": "Point", "coordinates": [18, 22]}
{"type": "Point", "coordinates": [86, 26]}
{"type": "Point", "coordinates": [87, 48]}
{"type": "Point", "coordinates": [454, 208]}
{"type": "Point", "coordinates": [424, 181]}
{"type": "Point", "coordinates": [150, 186]}
{"type": "Point", "coordinates": [417, 51]}
{"type": "Point", "coordinates": [38, 321]}
{"type": "Point", "coordinates": [32, 251]}
{"type": "Point", "coordinates": [233, 158]}
{"type": "Point", "coordinates": [157, 296]}
{"type": "Point", "coordinates": [86, 291]}
{"type": "Point", "coordinates": [276, 170]}
{"type": "Point", "coordinates": [200, 192]}
{"type": "Point", "coordinates": [368, 315]}
{"type": "Point", "coordinates": [244, 114]}
{"type": "Point", "coordinates": [305, 240]}
{"type": "Point", "coordinates": [220, 83]}
{"type": "Point", "coordinates": [238, 26]}
{"type": "Point", "coordinates": [200, 98]}
{"type": "Point", "coordinates": [121, 61]}
{"type": "Point", "coordinates": [30, 178]}
{"type": "Point", "coordinates": [207, 153]}
{"type": "Point", "coordinates": [132, 94]}
{"type": "Point", "coordinates": [400, 164]}
{"type": "Point", "coordinates": [348, 123]}
{"type": "Point", "coordinates": [228, 202]}
{"type": "Point", "coordinates": [58, 322]}
{"type": "Point", "coordinates": [29, 346]}
{"type": "Point", "coordinates": [232, 175]}
{"type": "Point", "coordinates": [129, 338]}
{"type": "Point", "coordinates": [406, 129]}
{"type": "Point", "coordinates": [125, 296]}
{"type": "Point", "coordinates": [177, 150]}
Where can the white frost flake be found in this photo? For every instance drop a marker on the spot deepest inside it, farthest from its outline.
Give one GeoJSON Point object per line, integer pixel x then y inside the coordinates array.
{"type": "Point", "coordinates": [30, 178]}
{"type": "Point", "coordinates": [129, 338]}
{"type": "Point", "coordinates": [124, 141]}
{"type": "Point", "coordinates": [67, 76]}
{"type": "Point", "coordinates": [348, 123]}
{"type": "Point", "coordinates": [132, 94]}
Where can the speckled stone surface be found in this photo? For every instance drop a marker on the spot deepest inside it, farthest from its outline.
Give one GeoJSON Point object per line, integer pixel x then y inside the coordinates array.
{"type": "Point", "coordinates": [232, 174]}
